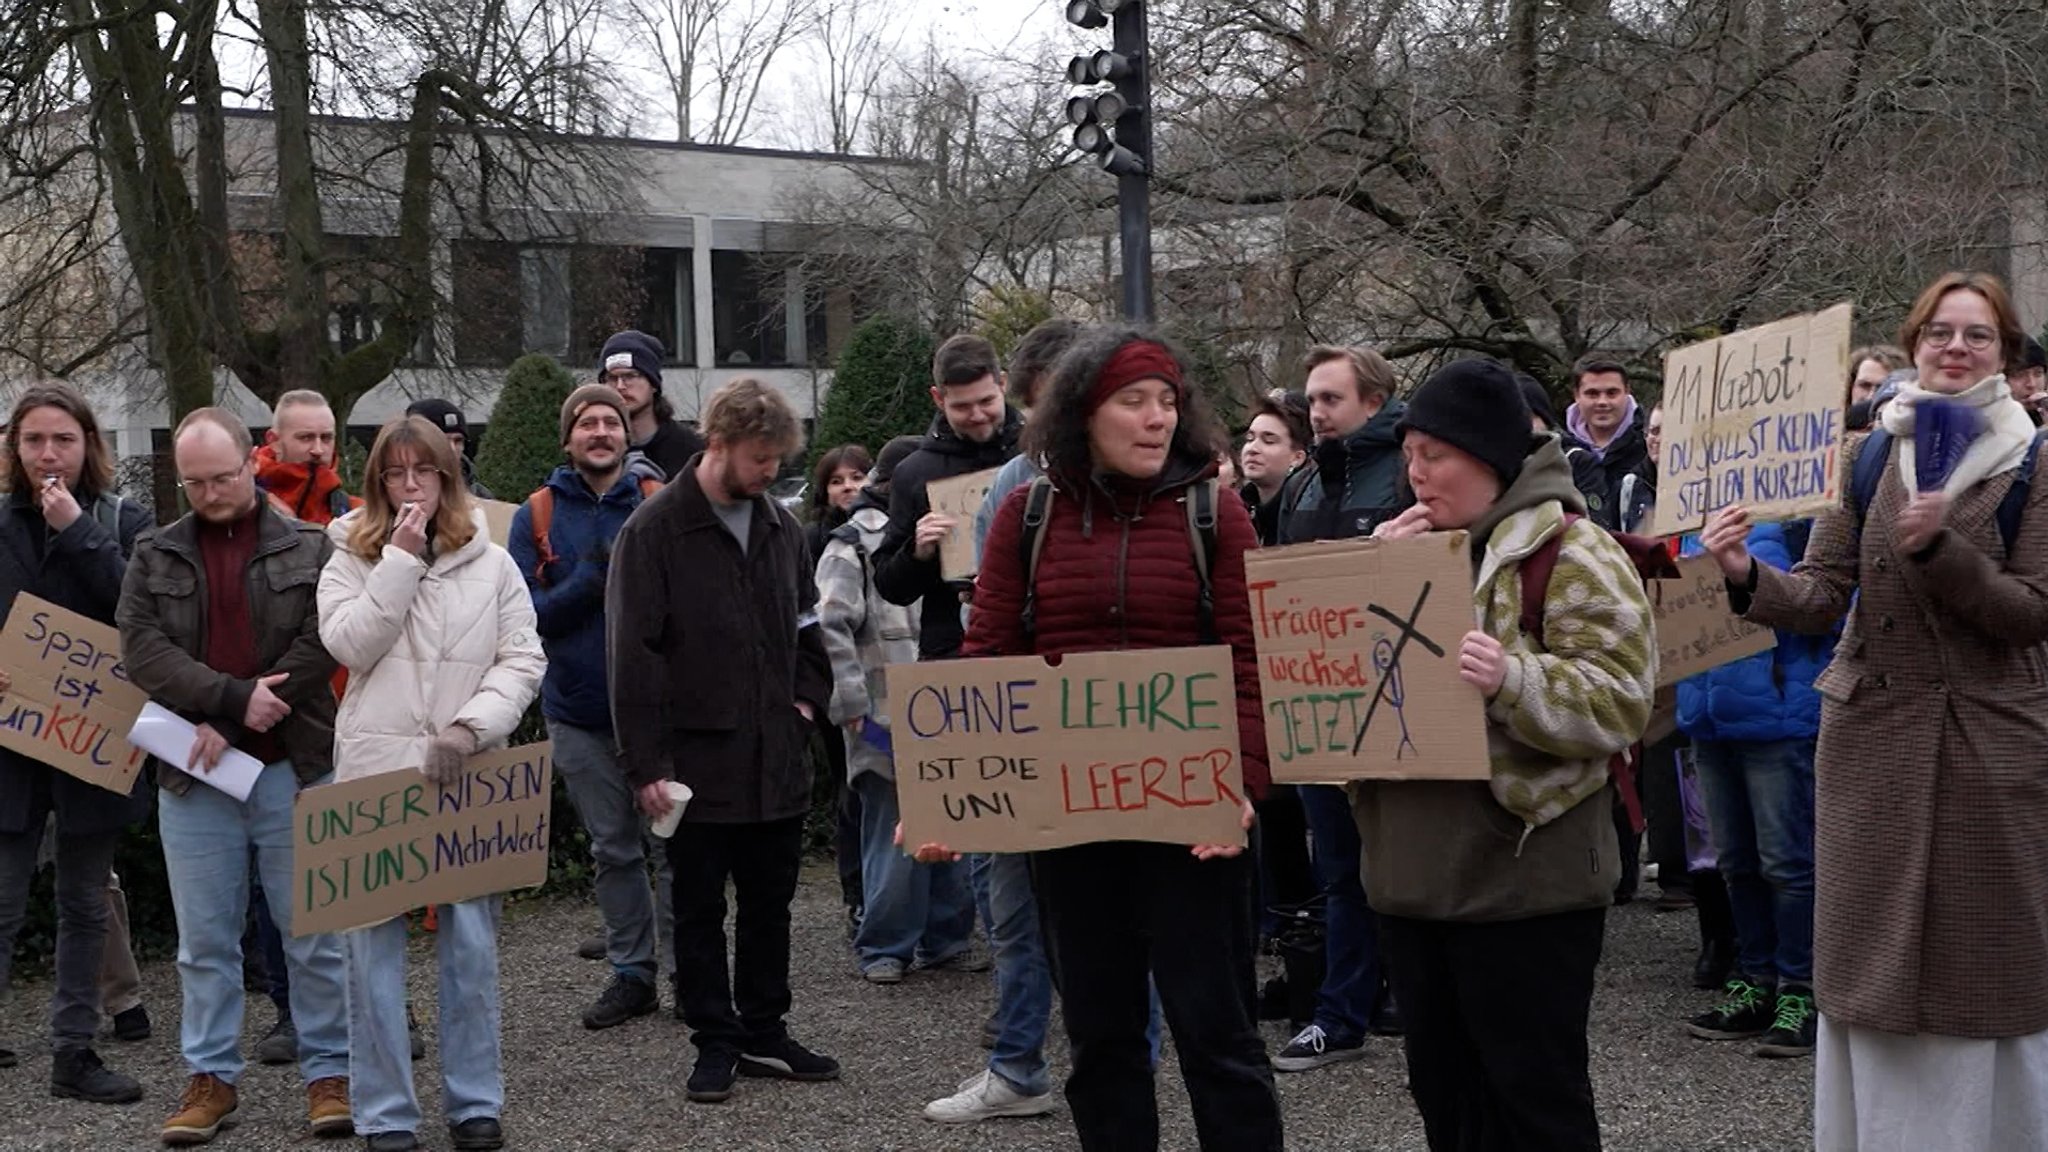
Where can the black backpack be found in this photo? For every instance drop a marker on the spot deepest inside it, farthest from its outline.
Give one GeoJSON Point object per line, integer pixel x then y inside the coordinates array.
{"type": "Point", "coordinates": [1201, 509]}
{"type": "Point", "coordinates": [1876, 452]}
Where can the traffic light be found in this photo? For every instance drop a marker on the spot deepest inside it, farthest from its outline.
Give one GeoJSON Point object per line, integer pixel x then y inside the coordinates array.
{"type": "Point", "coordinates": [1115, 126]}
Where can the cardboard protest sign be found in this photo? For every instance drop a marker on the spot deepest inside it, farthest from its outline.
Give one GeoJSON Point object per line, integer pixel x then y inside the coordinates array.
{"type": "Point", "coordinates": [959, 497]}
{"type": "Point", "coordinates": [1014, 754]}
{"type": "Point", "coordinates": [1358, 660]}
{"type": "Point", "coordinates": [1754, 419]}
{"type": "Point", "coordinates": [367, 850]}
{"type": "Point", "coordinates": [498, 516]}
{"type": "Point", "coordinates": [71, 705]}
{"type": "Point", "coordinates": [1695, 629]}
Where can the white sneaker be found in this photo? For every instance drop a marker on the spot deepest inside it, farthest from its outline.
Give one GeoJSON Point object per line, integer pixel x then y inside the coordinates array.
{"type": "Point", "coordinates": [985, 1097]}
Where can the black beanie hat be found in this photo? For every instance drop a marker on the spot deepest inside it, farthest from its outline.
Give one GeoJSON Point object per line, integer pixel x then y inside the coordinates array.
{"type": "Point", "coordinates": [442, 414]}
{"type": "Point", "coordinates": [641, 352]}
{"type": "Point", "coordinates": [893, 453]}
{"type": "Point", "coordinates": [1474, 405]}
{"type": "Point", "coordinates": [1537, 399]}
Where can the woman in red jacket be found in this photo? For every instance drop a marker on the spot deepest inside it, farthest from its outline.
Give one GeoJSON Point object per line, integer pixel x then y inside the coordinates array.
{"type": "Point", "coordinates": [1123, 440]}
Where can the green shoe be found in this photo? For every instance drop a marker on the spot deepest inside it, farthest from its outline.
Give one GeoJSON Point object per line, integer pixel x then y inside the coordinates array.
{"type": "Point", "coordinates": [1745, 1013]}
{"type": "Point", "coordinates": [1793, 1027]}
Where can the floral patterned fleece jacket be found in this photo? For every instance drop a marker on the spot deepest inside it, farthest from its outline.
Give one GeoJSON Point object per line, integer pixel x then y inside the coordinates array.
{"type": "Point", "coordinates": [1538, 837]}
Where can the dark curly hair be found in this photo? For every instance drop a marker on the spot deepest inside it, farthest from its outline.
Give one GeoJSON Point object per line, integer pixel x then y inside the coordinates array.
{"type": "Point", "coordinates": [1057, 434]}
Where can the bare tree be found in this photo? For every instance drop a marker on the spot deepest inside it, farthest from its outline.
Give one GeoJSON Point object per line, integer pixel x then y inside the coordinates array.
{"type": "Point", "coordinates": [1531, 180]}
{"type": "Point", "coordinates": [716, 56]}
{"type": "Point", "coordinates": [968, 191]}
{"type": "Point", "coordinates": [126, 105]}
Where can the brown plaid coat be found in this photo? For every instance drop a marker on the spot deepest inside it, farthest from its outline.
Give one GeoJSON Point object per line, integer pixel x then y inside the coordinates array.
{"type": "Point", "coordinates": [1931, 805]}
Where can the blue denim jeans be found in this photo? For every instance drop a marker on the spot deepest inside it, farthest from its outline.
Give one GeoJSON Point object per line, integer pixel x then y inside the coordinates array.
{"type": "Point", "coordinates": [1023, 978]}
{"type": "Point", "coordinates": [380, 1052]}
{"type": "Point", "coordinates": [1760, 802]}
{"type": "Point", "coordinates": [1351, 981]}
{"type": "Point", "coordinates": [207, 837]}
{"type": "Point", "coordinates": [913, 911]}
{"type": "Point", "coordinates": [639, 922]}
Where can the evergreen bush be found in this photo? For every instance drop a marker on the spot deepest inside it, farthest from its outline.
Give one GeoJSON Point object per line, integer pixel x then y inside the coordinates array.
{"type": "Point", "coordinates": [880, 388]}
{"type": "Point", "coordinates": [524, 440]}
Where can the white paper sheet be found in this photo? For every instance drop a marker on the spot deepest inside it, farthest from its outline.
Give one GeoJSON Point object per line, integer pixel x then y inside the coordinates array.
{"type": "Point", "coordinates": [166, 735]}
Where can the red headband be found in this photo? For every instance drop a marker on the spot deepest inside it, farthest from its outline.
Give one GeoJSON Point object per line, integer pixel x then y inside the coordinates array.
{"type": "Point", "coordinates": [1135, 361]}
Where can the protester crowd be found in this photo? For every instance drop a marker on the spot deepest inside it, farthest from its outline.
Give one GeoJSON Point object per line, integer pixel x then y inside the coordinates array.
{"type": "Point", "coordinates": [1853, 815]}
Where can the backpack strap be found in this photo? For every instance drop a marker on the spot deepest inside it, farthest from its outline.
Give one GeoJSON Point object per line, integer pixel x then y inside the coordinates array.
{"type": "Point", "coordinates": [2014, 506]}
{"type": "Point", "coordinates": [541, 507]}
{"type": "Point", "coordinates": [1869, 470]}
{"type": "Point", "coordinates": [106, 508]}
{"type": "Point", "coordinates": [1037, 503]}
{"type": "Point", "coordinates": [1201, 507]}
{"type": "Point", "coordinates": [1535, 574]}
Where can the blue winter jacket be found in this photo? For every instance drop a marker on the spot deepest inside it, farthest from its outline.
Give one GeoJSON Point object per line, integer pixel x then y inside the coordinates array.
{"type": "Point", "coordinates": [569, 606]}
{"type": "Point", "coordinates": [1768, 696]}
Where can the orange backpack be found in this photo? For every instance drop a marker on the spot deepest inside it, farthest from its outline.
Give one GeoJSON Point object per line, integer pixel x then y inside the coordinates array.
{"type": "Point", "coordinates": [541, 506]}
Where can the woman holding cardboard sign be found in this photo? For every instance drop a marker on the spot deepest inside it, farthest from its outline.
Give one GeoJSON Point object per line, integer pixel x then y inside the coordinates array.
{"type": "Point", "coordinates": [65, 536]}
{"type": "Point", "coordinates": [1493, 895]}
{"type": "Point", "coordinates": [1930, 934]}
{"type": "Point", "coordinates": [1126, 444]}
{"type": "Point", "coordinates": [435, 627]}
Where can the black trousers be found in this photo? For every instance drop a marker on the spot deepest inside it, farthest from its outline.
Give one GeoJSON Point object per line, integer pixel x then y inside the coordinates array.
{"type": "Point", "coordinates": [1495, 1018]}
{"type": "Point", "coordinates": [1285, 876]}
{"type": "Point", "coordinates": [762, 860]}
{"type": "Point", "coordinates": [1114, 914]}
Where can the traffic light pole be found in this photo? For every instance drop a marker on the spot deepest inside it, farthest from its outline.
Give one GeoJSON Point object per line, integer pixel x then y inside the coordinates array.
{"type": "Point", "coordinates": [1134, 188]}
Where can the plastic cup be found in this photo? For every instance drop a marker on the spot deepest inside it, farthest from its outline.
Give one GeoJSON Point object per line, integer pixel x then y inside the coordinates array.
{"type": "Point", "coordinates": [679, 798]}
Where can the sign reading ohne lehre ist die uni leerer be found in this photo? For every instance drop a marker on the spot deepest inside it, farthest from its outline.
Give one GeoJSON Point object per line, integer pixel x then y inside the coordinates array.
{"type": "Point", "coordinates": [1695, 629]}
{"type": "Point", "coordinates": [367, 850]}
{"type": "Point", "coordinates": [1358, 660]}
{"type": "Point", "coordinates": [1016, 754]}
{"type": "Point", "coordinates": [1754, 418]}
{"type": "Point", "coordinates": [72, 703]}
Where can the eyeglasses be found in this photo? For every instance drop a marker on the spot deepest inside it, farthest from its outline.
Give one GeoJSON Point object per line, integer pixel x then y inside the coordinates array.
{"type": "Point", "coordinates": [207, 483]}
{"type": "Point", "coordinates": [1977, 337]}
{"type": "Point", "coordinates": [419, 473]}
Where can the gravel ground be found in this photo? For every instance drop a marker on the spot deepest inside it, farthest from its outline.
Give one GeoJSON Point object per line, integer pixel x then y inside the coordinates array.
{"type": "Point", "coordinates": [574, 1090]}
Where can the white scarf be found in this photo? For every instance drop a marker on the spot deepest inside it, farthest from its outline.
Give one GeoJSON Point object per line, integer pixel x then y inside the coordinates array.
{"type": "Point", "coordinates": [1998, 448]}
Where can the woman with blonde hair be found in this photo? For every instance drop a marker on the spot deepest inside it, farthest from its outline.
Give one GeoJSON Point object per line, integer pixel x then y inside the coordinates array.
{"type": "Point", "coordinates": [434, 624]}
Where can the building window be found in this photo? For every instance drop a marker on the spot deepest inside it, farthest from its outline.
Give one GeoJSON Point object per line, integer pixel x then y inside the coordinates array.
{"type": "Point", "coordinates": [669, 311]}
{"type": "Point", "coordinates": [748, 313]}
{"type": "Point", "coordinates": [607, 294]}
{"type": "Point", "coordinates": [487, 318]}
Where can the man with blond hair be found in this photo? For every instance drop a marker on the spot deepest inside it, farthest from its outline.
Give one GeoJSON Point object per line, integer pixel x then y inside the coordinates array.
{"type": "Point", "coordinates": [717, 671]}
{"type": "Point", "coordinates": [296, 466]}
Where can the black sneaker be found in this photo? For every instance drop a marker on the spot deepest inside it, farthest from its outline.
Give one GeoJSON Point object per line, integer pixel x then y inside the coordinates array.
{"type": "Point", "coordinates": [7, 1058]}
{"type": "Point", "coordinates": [132, 1026]}
{"type": "Point", "coordinates": [78, 1074]}
{"type": "Point", "coordinates": [623, 999]}
{"type": "Point", "coordinates": [1745, 1013]}
{"type": "Point", "coordinates": [593, 947]}
{"type": "Point", "coordinates": [1312, 1048]}
{"type": "Point", "coordinates": [712, 1079]}
{"type": "Point", "coordinates": [280, 1045]}
{"type": "Point", "coordinates": [785, 1059]}
{"type": "Point", "coordinates": [1792, 1029]}
{"type": "Point", "coordinates": [477, 1134]}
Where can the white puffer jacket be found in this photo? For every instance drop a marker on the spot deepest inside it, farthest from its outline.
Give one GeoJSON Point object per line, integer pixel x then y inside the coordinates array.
{"type": "Point", "coordinates": [425, 648]}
